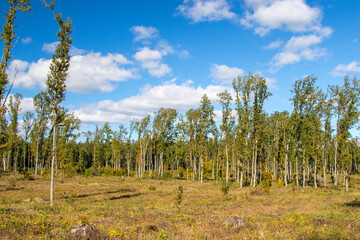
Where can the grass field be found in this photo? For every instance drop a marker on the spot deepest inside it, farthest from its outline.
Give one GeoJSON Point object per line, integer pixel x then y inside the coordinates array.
{"type": "Point", "coordinates": [151, 209]}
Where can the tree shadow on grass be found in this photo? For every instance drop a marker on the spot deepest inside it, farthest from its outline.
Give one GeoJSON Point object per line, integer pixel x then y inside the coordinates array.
{"type": "Point", "coordinates": [354, 203]}
{"type": "Point", "coordinates": [125, 196]}
{"type": "Point", "coordinates": [99, 193]}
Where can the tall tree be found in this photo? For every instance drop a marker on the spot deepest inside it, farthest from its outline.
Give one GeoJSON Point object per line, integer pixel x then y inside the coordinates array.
{"type": "Point", "coordinates": [347, 99]}
{"type": "Point", "coordinates": [14, 138]}
{"type": "Point", "coordinates": [227, 120]}
{"type": "Point", "coordinates": [27, 125]}
{"type": "Point", "coordinates": [55, 82]}
{"type": "Point", "coordinates": [8, 37]}
{"type": "Point", "coordinates": [42, 110]}
{"type": "Point", "coordinates": [143, 128]}
{"type": "Point", "coordinates": [304, 101]}
{"type": "Point", "coordinates": [206, 124]}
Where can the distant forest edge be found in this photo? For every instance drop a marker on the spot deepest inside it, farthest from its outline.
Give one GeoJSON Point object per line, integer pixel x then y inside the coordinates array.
{"type": "Point", "coordinates": [248, 145]}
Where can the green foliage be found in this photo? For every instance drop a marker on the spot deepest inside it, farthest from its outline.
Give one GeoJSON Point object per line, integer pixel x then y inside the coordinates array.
{"type": "Point", "coordinates": [225, 187]}
{"type": "Point", "coordinates": [266, 181]}
{"type": "Point", "coordinates": [69, 171]}
{"type": "Point", "coordinates": [179, 196]}
{"type": "Point", "coordinates": [28, 176]}
{"type": "Point", "coordinates": [88, 172]}
{"type": "Point", "coordinates": [8, 37]}
{"type": "Point", "coordinates": [152, 188]}
{"type": "Point", "coordinates": [108, 171]}
{"type": "Point", "coordinates": [181, 172]}
{"type": "Point", "coordinates": [162, 235]}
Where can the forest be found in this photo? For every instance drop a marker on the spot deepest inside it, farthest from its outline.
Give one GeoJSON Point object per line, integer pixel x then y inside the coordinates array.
{"type": "Point", "coordinates": [313, 146]}
{"type": "Point", "coordinates": [247, 146]}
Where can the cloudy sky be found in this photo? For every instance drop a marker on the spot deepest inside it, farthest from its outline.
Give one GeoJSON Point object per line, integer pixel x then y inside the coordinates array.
{"type": "Point", "coordinates": [131, 57]}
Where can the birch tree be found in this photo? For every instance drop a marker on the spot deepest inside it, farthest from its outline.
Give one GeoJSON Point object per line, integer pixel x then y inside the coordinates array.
{"type": "Point", "coordinates": [55, 83]}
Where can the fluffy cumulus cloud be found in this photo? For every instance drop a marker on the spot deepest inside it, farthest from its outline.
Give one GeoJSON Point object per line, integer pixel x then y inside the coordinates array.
{"type": "Point", "coordinates": [274, 45]}
{"type": "Point", "coordinates": [88, 73]}
{"type": "Point", "coordinates": [291, 15]}
{"type": "Point", "coordinates": [26, 104]}
{"type": "Point", "coordinates": [50, 48]}
{"type": "Point", "coordinates": [151, 61]}
{"type": "Point", "coordinates": [342, 69]}
{"type": "Point", "coordinates": [151, 98]}
{"type": "Point", "coordinates": [26, 40]}
{"type": "Point", "coordinates": [224, 73]}
{"type": "Point", "coordinates": [206, 10]}
{"type": "Point", "coordinates": [303, 47]}
{"type": "Point", "coordinates": [144, 34]}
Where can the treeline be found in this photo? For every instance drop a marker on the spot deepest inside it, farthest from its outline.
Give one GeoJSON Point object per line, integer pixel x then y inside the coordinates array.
{"type": "Point", "coordinates": [304, 146]}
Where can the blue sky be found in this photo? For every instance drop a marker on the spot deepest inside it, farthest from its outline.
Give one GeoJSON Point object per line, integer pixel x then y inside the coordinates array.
{"type": "Point", "coordinates": [130, 58]}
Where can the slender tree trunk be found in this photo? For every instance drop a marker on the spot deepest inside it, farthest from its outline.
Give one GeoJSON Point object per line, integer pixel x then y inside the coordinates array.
{"type": "Point", "coordinates": [346, 181]}
{"type": "Point", "coordinates": [24, 159]}
{"type": "Point", "coordinates": [252, 168]}
{"type": "Point", "coordinates": [255, 163]}
{"type": "Point", "coordinates": [53, 161]}
{"type": "Point", "coordinates": [324, 167]}
{"type": "Point", "coordinates": [8, 159]}
{"type": "Point", "coordinates": [297, 170]}
{"type": "Point", "coordinates": [16, 158]}
{"type": "Point", "coordinates": [335, 164]}
{"type": "Point", "coordinates": [202, 169]}
{"type": "Point", "coordinates": [213, 169]}
{"type": "Point", "coordinates": [241, 179]}
{"type": "Point", "coordinates": [286, 165]}
{"type": "Point", "coordinates": [227, 164]}
{"type": "Point", "coordinates": [315, 173]}
{"type": "Point", "coordinates": [4, 160]}
{"type": "Point", "coordinates": [161, 164]}
{"type": "Point", "coordinates": [37, 155]}
{"type": "Point", "coordinates": [217, 165]}
{"type": "Point", "coordinates": [304, 169]}
{"type": "Point", "coordinates": [274, 169]}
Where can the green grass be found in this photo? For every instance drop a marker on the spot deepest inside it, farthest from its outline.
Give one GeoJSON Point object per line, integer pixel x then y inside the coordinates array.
{"type": "Point", "coordinates": [148, 209]}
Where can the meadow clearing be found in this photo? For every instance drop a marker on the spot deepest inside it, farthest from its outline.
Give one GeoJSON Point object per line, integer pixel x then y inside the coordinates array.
{"type": "Point", "coordinates": [130, 208]}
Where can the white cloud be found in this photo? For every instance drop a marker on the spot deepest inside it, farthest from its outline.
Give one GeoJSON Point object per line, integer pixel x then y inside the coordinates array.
{"type": "Point", "coordinates": [51, 47]}
{"type": "Point", "coordinates": [165, 48]}
{"type": "Point", "coordinates": [224, 73]}
{"type": "Point", "coordinates": [284, 58]}
{"type": "Point", "coordinates": [88, 73]}
{"type": "Point", "coordinates": [302, 42]}
{"type": "Point", "coordinates": [76, 51]}
{"type": "Point", "coordinates": [183, 54]}
{"type": "Point", "coordinates": [26, 40]}
{"type": "Point", "coordinates": [206, 10]}
{"type": "Point", "coordinates": [274, 45]}
{"type": "Point", "coordinates": [26, 104]}
{"type": "Point", "coordinates": [271, 83]}
{"type": "Point", "coordinates": [143, 33]}
{"type": "Point", "coordinates": [160, 70]}
{"type": "Point", "coordinates": [291, 15]}
{"type": "Point", "coordinates": [299, 48]}
{"type": "Point", "coordinates": [151, 61]}
{"type": "Point", "coordinates": [151, 98]}
{"type": "Point", "coordinates": [342, 69]}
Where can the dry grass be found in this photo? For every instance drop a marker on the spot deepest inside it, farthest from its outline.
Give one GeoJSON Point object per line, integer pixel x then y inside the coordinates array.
{"type": "Point", "coordinates": [146, 209]}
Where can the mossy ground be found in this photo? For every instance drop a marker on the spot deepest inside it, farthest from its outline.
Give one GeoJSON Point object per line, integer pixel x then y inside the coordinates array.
{"type": "Point", "coordinates": [128, 208]}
